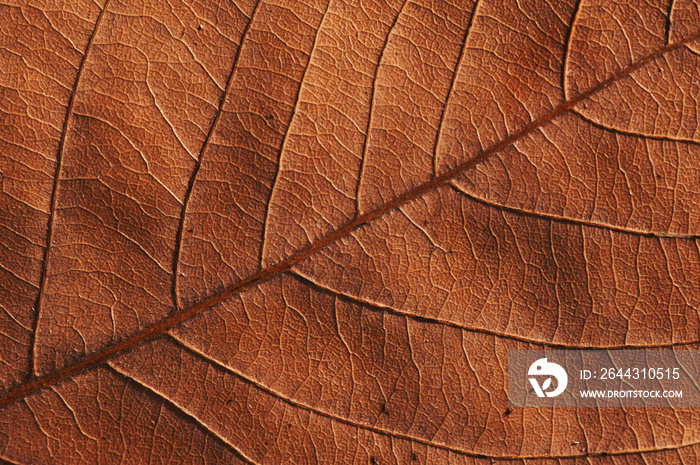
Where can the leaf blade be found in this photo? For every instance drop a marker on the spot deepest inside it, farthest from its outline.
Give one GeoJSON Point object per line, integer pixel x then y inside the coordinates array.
{"type": "Point", "coordinates": [565, 239]}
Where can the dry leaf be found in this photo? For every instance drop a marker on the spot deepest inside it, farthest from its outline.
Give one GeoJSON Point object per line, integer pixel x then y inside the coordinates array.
{"type": "Point", "coordinates": [309, 232]}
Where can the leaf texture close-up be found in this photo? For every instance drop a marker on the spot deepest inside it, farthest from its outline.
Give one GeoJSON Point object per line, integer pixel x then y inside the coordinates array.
{"type": "Point", "coordinates": [310, 231]}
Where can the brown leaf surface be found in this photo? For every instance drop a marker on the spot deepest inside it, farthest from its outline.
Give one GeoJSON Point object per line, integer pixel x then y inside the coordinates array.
{"type": "Point", "coordinates": [309, 232]}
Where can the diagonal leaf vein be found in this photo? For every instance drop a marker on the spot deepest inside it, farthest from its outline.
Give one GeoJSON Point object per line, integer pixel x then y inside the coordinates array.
{"type": "Point", "coordinates": [174, 319]}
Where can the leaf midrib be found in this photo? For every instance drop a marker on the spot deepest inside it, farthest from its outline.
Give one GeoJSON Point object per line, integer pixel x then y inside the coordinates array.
{"type": "Point", "coordinates": [166, 324]}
